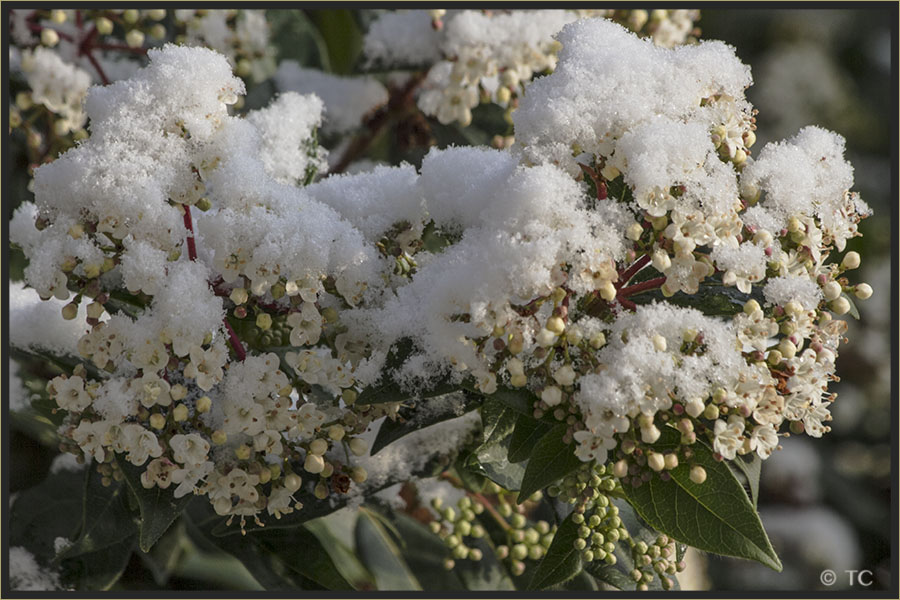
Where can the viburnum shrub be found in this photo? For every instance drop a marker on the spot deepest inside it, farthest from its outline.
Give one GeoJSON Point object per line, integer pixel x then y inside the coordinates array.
{"type": "Point", "coordinates": [573, 350]}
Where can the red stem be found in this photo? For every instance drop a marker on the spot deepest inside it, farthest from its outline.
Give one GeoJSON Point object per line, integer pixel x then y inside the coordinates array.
{"type": "Point", "coordinates": [98, 68]}
{"type": "Point", "coordinates": [191, 244]}
{"type": "Point", "coordinates": [122, 47]}
{"type": "Point", "coordinates": [631, 271]}
{"type": "Point", "coordinates": [642, 286]}
{"type": "Point", "coordinates": [235, 341]}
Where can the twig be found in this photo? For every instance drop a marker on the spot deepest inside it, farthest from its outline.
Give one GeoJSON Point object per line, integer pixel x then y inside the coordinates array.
{"type": "Point", "coordinates": [642, 286]}
{"type": "Point", "coordinates": [191, 244]}
{"type": "Point", "coordinates": [377, 122]}
{"type": "Point", "coordinates": [235, 341]}
{"type": "Point", "coordinates": [631, 271]}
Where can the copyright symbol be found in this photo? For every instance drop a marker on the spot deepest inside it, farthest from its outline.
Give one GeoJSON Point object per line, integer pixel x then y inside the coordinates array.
{"type": "Point", "coordinates": [828, 577]}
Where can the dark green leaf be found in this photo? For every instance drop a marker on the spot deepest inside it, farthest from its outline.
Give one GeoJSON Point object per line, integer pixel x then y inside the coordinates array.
{"type": "Point", "coordinates": [525, 436]}
{"type": "Point", "coordinates": [551, 460]}
{"type": "Point", "coordinates": [716, 516]}
{"type": "Point", "coordinates": [331, 532]}
{"type": "Point", "coordinates": [520, 400]}
{"type": "Point", "coordinates": [487, 574]}
{"type": "Point", "coordinates": [301, 551]}
{"type": "Point", "coordinates": [159, 508]}
{"type": "Point", "coordinates": [490, 458]}
{"type": "Point", "coordinates": [297, 38]}
{"type": "Point", "coordinates": [610, 574]}
{"type": "Point", "coordinates": [105, 517]}
{"type": "Point", "coordinates": [427, 411]}
{"type": "Point", "coordinates": [379, 551]}
{"type": "Point", "coordinates": [45, 512]}
{"type": "Point", "coordinates": [342, 38]}
{"type": "Point", "coordinates": [425, 553]}
{"type": "Point", "coordinates": [99, 570]}
{"type": "Point", "coordinates": [562, 561]}
{"type": "Point", "coordinates": [387, 390]}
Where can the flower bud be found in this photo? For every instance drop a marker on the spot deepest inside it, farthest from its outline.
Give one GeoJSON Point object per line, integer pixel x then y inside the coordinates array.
{"type": "Point", "coordinates": [219, 437]}
{"type": "Point", "coordinates": [358, 446]}
{"type": "Point", "coordinates": [656, 461]}
{"type": "Point", "coordinates": [711, 412]}
{"type": "Point", "coordinates": [204, 404]}
{"type": "Point", "coordinates": [49, 37]}
{"type": "Point", "coordinates": [552, 395]}
{"type": "Point", "coordinates": [314, 463]}
{"type": "Point", "coordinates": [840, 306]}
{"type": "Point", "coordinates": [358, 474]}
{"type": "Point", "coordinates": [851, 260]}
{"type": "Point", "coordinates": [321, 491]}
{"type": "Point", "coordinates": [556, 325]}
{"type": "Point", "coordinates": [650, 434]}
{"type": "Point", "coordinates": [545, 338]}
{"type": "Point", "coordinates": [104, 26]}
{"type": "Point", "coordinates": [70, 311]}
{"type": "Point", "coordinates": [598, 340]}
{"type": "Point", "coordinates": [608, 291]}
{"type": "Point", "coordinates": [242, 452]}
{"type": "Point", "coordinates": [264, 321]}
{"type": "Point", "coordinates": [292, 482]}
{"type": "Point", "coordinates": [831, 290]}
{"type": "Point", "coordinates": [518, 380]}
{"type": "Point", "coordinates": [134, 38]}
{"type": "Point", "coordinates": [863, 291]}
{"type": "Point", "coordinates": [694, 407]}
{"type": "Point", "coordinates": [751, 306]}
{"type": "Point", "coordinates": [239, 295]}
{"type": "Point", "coordinates": [318, 446]}
{"type": "Point", "coordinates": [180, 412]}
{"type": "Point", "coordinates": [671, 460]}
{"type": "Point", "coordinates": [698, 474]}
{"type": "Point", "coordinates": [336, 432]}
{"type": "Point", "coordinates": [634, 232]}
{"type": "Point", "coordinates": [787, 348]}
{"type": "Point", "coordinates": [157, 421]}
{"type": "Point", "coordinates": [659, 342]}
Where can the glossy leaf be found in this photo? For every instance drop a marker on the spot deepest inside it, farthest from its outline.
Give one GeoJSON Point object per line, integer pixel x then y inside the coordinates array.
{"type": "Point", "coordinates": [551, 460]}
{"type": "Point", "coordinates": [716, 516]}
{"type": "Point", "coordinates": [427, 411]}
{"type": "Point", "coordinates": [562, 561]}
{"type": "Point", "coordinates": [159, 508]}
{"type": "Point", "coordinates": [525, 436]}
{"type": "Point", "coordinates": [105, 517]}
{"type": "Point", "coordinates": [303, 552]}
{"type": "Point", "coordinates": [379, 551]}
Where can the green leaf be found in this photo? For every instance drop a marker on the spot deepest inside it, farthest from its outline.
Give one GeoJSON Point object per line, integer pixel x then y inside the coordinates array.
{"type": "Point", "coordinates": [302, 552]}
{"type": "Point", "coordinates": [335, 532]}
{"type": "Point", "coordinates": [105, 517]}
{"type": "Point", "coordinates": [716, 516]}
{"type": "Point", "coordinates": [562, 561]}
{"type": "Point", "coordinates": [45, 512]}
{"type": "Point", "coordinates": [749, 466]}
{"type": "Point", "coordinates": [387, 390]}
{"type": "Point", "coordinates": [379, 551]}
{"type": "Point", "coordinates": [610, 574]}
{"type": "Point", "coordinates": [490, 458]}
{"type": "Point", "coordinates": [427, 411]}
{"type": "Point", "coordinates": [551, 460]}
{"type": "Point", "coordinates": [342, 38]}
{"type": "Point", "coordinates": [297, 38]}
{"type": "Point", "coordinates": [425, 553]}
{"type": "Point", "coordinates": [159, 508]}
{"type": "Point", "coordinates": [525, 436]}
{"type": "Point", "coordinates": [101, 569]}
{"type": "Point", "coordinates": [520, 400]}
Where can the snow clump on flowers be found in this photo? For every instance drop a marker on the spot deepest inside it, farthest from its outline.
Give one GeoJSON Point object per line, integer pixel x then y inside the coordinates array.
{"type": "Point", "coordinates": [629, 269]}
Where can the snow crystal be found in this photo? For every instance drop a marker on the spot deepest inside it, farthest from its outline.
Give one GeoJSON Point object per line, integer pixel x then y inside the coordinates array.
{"type": "Point", "coordinates": [38, 324]}
{"type": "Point", "coordinates": [26, 575]}
{"type": "Point", "coordinates": [799, 288]}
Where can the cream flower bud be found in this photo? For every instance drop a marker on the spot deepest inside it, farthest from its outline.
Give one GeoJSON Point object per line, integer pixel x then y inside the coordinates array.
{"type": "Point", "coordinates": [104, 26]}
{"type": "Point", "coordinates": [620, 468]}
{"type": "Point", "coordinates": [565, 375]}
{"type": "Point", "coordinates": [545, 338]}
{"type": "Point", "coordinates": [556, 325]}
{"type": "Point", "coordinates": [751, 306]}
{"type": "Point", "coordinates": [134, 38]}
{"type": "Point", "coordinates": [608, 291]}
{"type": "Point", "coordinates": [634, 231]}
{"type": "Point", "coordinates": [694, 407]}
{"type": "Point", "coordinates": [518, 380]}
{"type": "Point", "coordinates": [318, 446]}
{"type": "Point", "coordinates": [671, 460]}
{"type": "Point", "coordinates": [264, 321]}
{"type": "Point", "coordinates": [787, 348]}
{"type": "Point", "coordinates": [49, 37]}
{"type": "Point", "coordinates": [609, 172]}
{"type": "Point", "coordinates": [661, 260]}
{"type": "Point", "coordinates": [698, 474]}
{"type": "Point", "coordinates": [180, 412]}
{"type": "Point", "coordinates": [552, 395]}
{"type": "Point", "coordinates": [863, 291]}
{"type": "Point", "coordinates": [598, 340]}
{"type": "Point", "coordinates": [832, 290]}
{"type": "Point", "coordinates": [656, 461]}
{"type": "Point", "coordinates": [515, 366]}
{"type": "Point", "coordinates": [574, 335]}
{"type": "Point", "coordinates": [293, 482]}
{"type": "Point", "coordinates": [157, 421]}
{"type": "Point", "coordinates": [851, 260]}
{"type": "Point", "coordinates": [659, 342]}
{"type": "Point", "coordinates": [336, 432]}
{"type": "Point", "coordinates": [239, 295]}
{"type": "Point", "coordinates": [840, 306]}
{"type": "Point", "coordinates": [358, 446]}
{"type": "Point", "coordinates": [650, 434]}
{"type": "Point", "coordinates": [314, 463]}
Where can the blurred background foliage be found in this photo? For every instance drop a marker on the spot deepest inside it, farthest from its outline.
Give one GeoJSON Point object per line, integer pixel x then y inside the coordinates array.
{"type": "Point", "coordinates": [825, 503]}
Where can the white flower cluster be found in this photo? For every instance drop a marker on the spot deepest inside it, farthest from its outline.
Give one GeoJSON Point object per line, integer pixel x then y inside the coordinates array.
{"type": "Point", "coordinates": [578, 269]}
{"type": "Point", "coordinates": [480, 56]}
